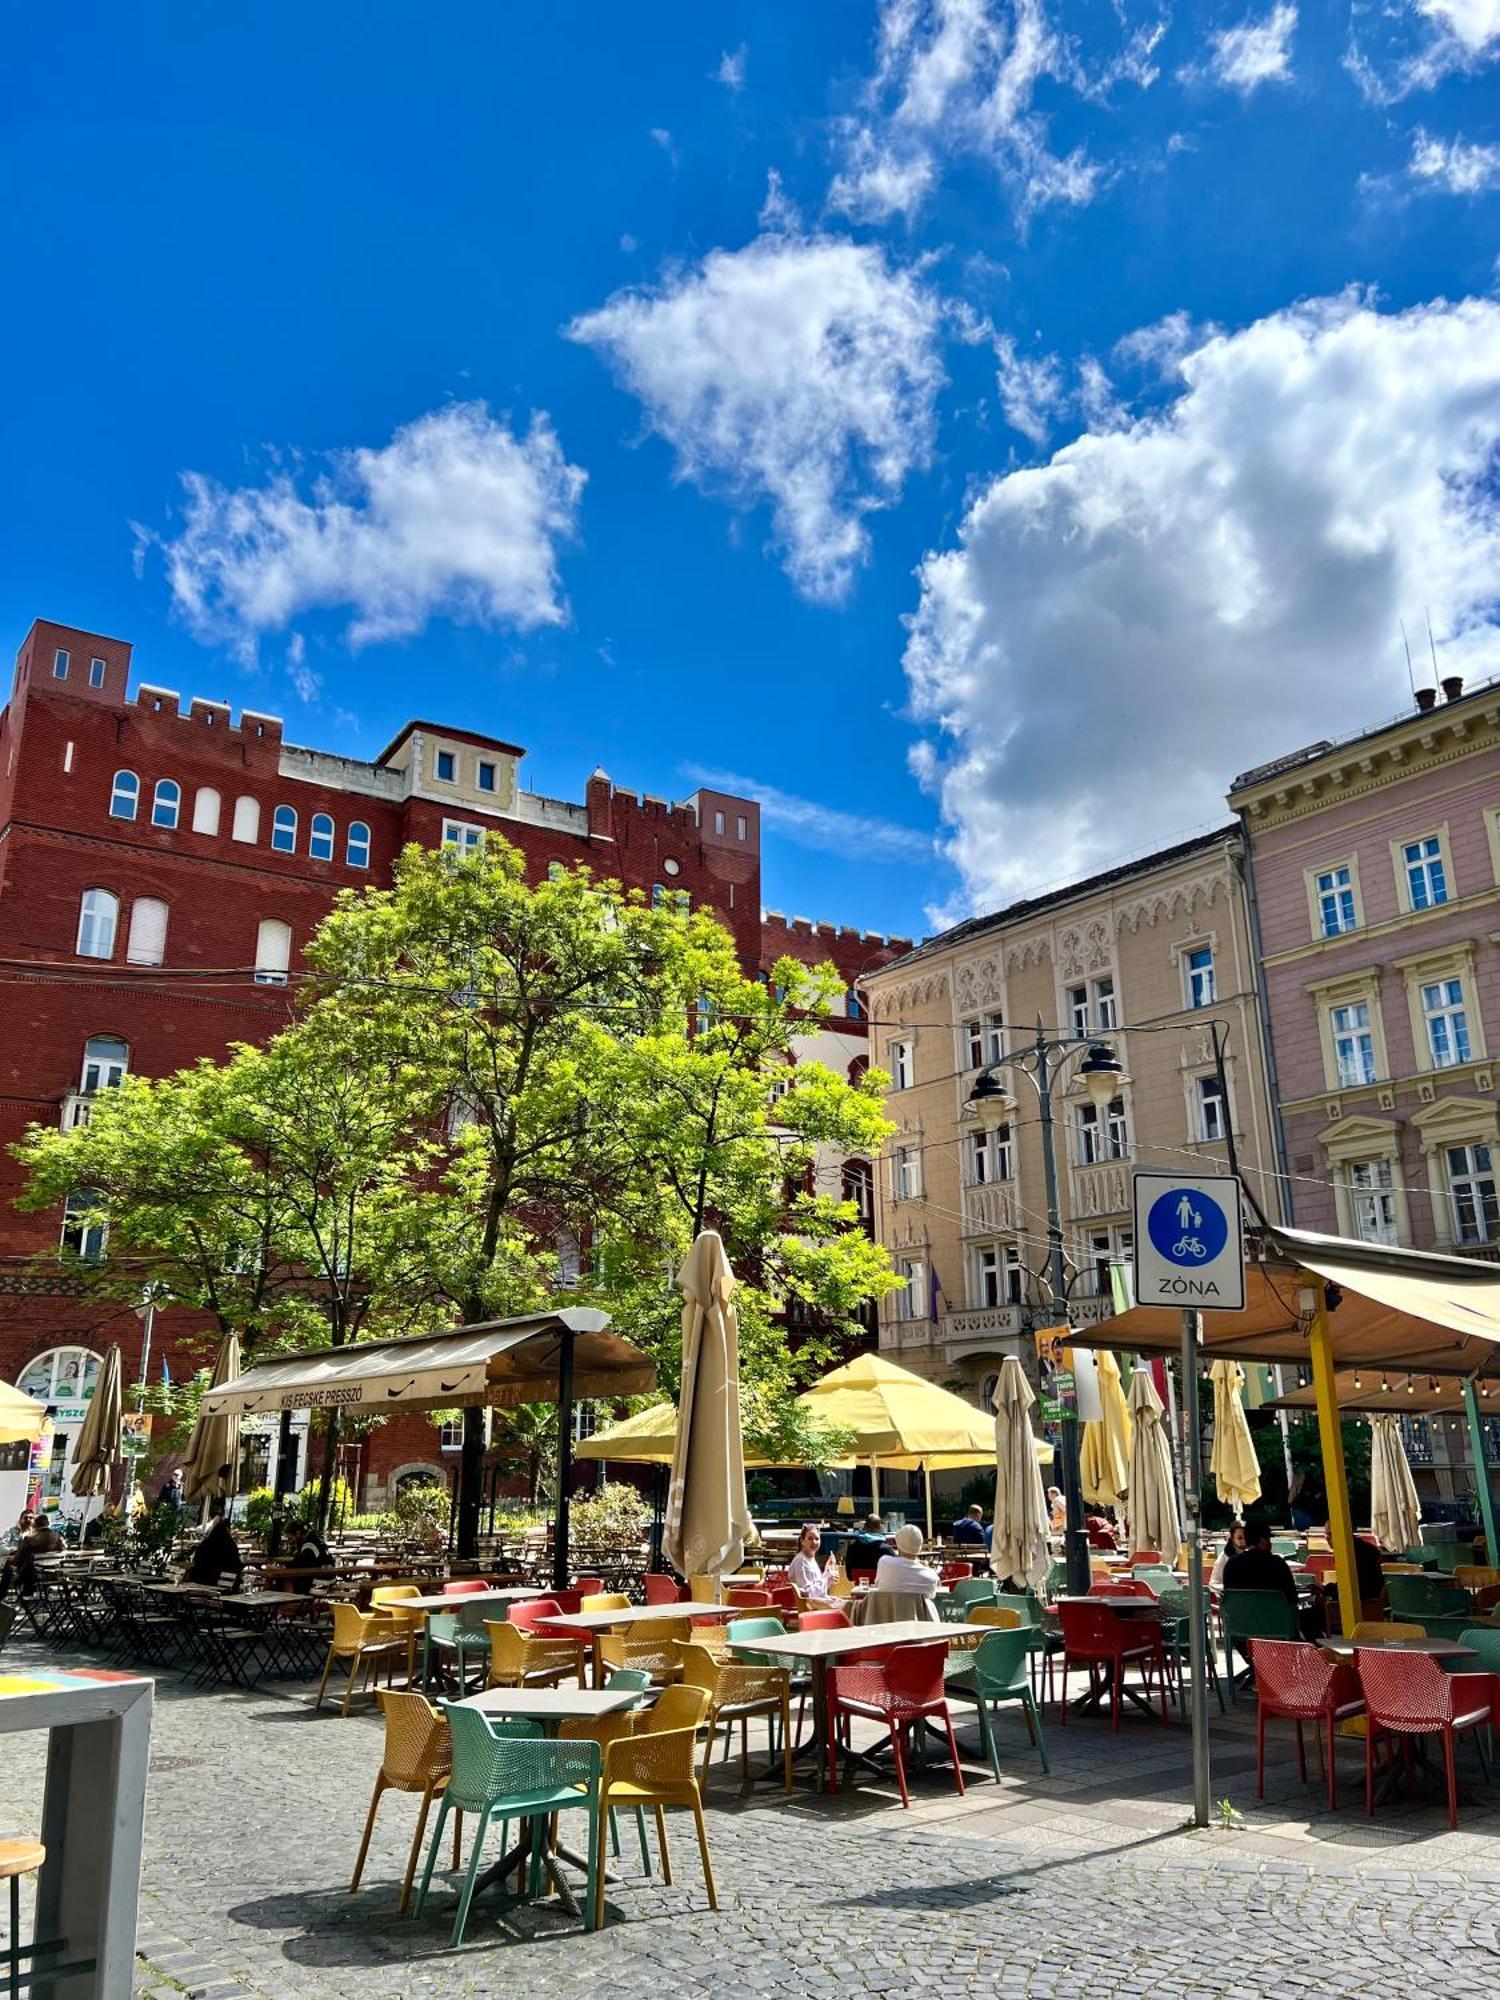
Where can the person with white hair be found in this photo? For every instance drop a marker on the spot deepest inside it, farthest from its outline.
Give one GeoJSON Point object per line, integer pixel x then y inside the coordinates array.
{"type": "Point", "coordinates": [903, 1571]}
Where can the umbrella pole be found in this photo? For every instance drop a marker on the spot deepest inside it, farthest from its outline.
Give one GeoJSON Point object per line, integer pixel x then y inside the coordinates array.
{"type": "Point", "coordinates": [564, 1458]}
{"type": "Point", "coordinates": [1481, 1470]}
{"type": "Point", "coordinates": [927, 1489]}
{"type": "Point", "coordinates": [1340, 1517]}
{"type": "Point", "coordinates": [1192, 1491]}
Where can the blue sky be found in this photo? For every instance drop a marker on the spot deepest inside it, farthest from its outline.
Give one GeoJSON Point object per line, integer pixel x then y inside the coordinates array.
{"type": "Point", "coordinates": [982, 425]}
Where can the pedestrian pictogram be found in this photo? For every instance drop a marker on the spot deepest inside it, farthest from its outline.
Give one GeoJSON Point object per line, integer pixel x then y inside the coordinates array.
{"type": "Point", "coordinates": [1189, 1242]}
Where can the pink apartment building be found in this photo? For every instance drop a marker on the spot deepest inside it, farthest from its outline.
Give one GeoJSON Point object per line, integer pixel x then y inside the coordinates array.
{"type": "Point", "coordinates": [1375, 867]}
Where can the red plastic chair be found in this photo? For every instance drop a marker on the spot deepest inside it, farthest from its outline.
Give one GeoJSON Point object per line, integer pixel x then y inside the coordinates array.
{"type": "Point", "coordinates": [824, 1621]}
{"type": "Point", "coordinates": [662, 1589]}
{"type": "Point", "coordinates": [950, 1572]}
{"type": "Point", "coordinates": [535, 1612]}
{"type": "Point", "coordinates": [745, 1599]}
{"type": "Point", "coordinates": [1408, 1694]}
{"type": "Point", "coordinates": [1295, 1681]}
{"type": "Point", "coordinates": [1321, 1563]}
{"type": "Point", "coordinates": [1093, 1637]}
{"type": "Point", "coordinates": [468, 1586]}
{"type": "Point", "coordinates": [782, 1596]}
{"type": "Point", "coordinates": [1120, 1586]}
{"type": "Point", "coordinates": [903, 1688]}
{"type": "Point", "coordinates": [1147, 1559]}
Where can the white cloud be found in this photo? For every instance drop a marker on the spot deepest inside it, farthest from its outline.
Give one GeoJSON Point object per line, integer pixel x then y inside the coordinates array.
{"type": "Point", "coordinates": [731, 70]}
{"type": "Point", "coordinates": [1031, 388]}
{"type": "Point", "coordinates": [1119, 631]}
{"type": "Point", "coordinates": [1255, 52]}
{"type": "Point", "coordinates": [1400, 46]}
{"type": "Point", "coordinates": [800, 371]}
{"type": "Point", "coordinates": [1162, 347]}
{"type": "Point", "coordinates": [307, 683]}
{"type": "Point", "coordinates": [826, 828]}
{"type": "Point", "coordinates": [456, 518]}
{"type": "Point", "coordinates": [961, 78]}
{"type": "Point", "coordinates": [1453, 165]}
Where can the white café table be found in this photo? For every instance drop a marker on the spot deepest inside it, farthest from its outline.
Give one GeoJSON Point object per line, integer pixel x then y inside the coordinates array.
{"type": "Point", "coordinates": [93, 1809]}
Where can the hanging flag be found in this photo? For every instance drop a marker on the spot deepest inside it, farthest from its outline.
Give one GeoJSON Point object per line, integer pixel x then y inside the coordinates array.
{"type": "Point", "coordinates": [166, 1374]}
{"type": "Point", "coordinates": [934, 1292]}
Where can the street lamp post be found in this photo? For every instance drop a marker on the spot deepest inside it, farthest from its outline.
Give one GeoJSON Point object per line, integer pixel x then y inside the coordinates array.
{"type": "Point", "coordinates": [1103, 1073]}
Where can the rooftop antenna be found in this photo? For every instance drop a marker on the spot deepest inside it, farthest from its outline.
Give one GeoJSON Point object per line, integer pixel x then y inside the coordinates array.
{"type": "Point", "coordinates": [1406, 648]}
{"type": "Point", "coordinates": [1426, 612]}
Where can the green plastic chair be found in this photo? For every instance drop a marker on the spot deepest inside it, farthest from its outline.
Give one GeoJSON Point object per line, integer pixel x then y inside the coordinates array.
{"type": "Point", "coordinates": [954, 1602]}
{"type": "Point", "coordinates": [1177, 1636]}
{"type": "Point", "coordinates": [760, 1628]}
{"type": "Point", "coordinates": [452, 1632]}
{"type": "Point", "coordinates": [1158, 1576]}
{"type": "Point", "coordinates": [1253, 1614]}
{"type": "Point", "coordinates": [506, 1769]}
{"type": "Point", "coordinates": [1426, 1597]}
{"type": "Point", "coordinates": [1486, 1643]}
{"type": "Point", "coordinates": [998, 1670]}
{"type": "Point", "coordinates": [1286, 1545]}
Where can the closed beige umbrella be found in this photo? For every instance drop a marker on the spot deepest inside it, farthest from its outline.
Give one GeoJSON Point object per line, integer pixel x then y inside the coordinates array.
{"type": "Point", "coordinates": [1395, 1511]}
{"type": "Point", "coordinates": [1104, 1449]}
{"type": "Point", "coordinates": [1018, 1543]}
{"type": "Point", "coordinates": [1235, 1468]}
{"type": "Point", "coordinates": [1151, 1499]}
{"type": "Point", "coordinates": [99, 1453]}
{"type": "Point", "coordinates": [708, 1514]}
{"type": "Point", "coordinates": [211, 1466]}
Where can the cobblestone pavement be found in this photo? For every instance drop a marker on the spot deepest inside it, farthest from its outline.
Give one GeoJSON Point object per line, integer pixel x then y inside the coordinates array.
{"type": "Point", "coordinates": [1082, 1884]}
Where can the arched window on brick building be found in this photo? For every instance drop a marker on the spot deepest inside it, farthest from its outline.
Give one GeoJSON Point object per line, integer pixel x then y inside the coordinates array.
{"type": "Point", "coordinates": [124, 795]}
{"type": "Point", "coordinates": [206, 810]}
{"type": "Point", "coordinates": [166, 804]}
{"type": "Point", "coordinates": [147, 943]}
{"type": "Point", "coordinates": [247, 820]}
{"type": "Point", "coordinates": [98, 919]}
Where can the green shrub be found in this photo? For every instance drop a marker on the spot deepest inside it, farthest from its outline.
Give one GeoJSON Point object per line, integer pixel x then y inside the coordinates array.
{"type": "Point", "coordinates": [613, 1520]}
{"type": "Point", "coordinates": [259, 1505]}
{"type": "Point", "coordinates": [419, 1513]}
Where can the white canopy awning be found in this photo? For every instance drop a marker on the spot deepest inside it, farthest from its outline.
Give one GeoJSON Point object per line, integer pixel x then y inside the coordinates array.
{"type": "Point", "coordinates": [501, 1362]}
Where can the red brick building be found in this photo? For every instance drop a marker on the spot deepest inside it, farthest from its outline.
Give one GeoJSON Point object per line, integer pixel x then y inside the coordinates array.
{"type": "Point", "coordinates": [161, 866]}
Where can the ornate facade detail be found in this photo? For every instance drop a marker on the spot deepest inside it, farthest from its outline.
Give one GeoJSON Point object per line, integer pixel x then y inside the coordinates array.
{"type": "Point", "coordinates": [978, 983]}
{"type": "Point", "coordinates": [1101, 1190]}
{"type": "Point", "coordinates": [1020, 957]}
{"type": "Point", "coordinates": [894, 1003]}
{"type": "Point", "coordinates": [990, 1210]}
{"type": "Point", "coordinates": [1183, 899]}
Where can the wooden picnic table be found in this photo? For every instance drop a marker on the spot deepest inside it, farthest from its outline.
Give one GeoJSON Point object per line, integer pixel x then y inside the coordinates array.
{"type": "Point", "coordinates": [826, 1647]}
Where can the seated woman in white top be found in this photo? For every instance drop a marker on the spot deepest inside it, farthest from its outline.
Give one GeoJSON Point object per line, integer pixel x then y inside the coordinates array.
{"type": "Point", "coordinates": [902, 1571]}
{"type": "Point", "coordinates": [803, 1572]}
{"type": "Point", "coordinates": [1235, 1544]}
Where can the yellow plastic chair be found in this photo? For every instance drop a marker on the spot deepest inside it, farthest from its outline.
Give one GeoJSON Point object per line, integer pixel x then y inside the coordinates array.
{"type": "Point", "coordinates": [1386, 1628]}
{"type": "Point", "coordinates": [1401, 1569]}
{"type": "Point", "coordinates": [840, 1585]}
{"type": "Point", "coordinates": [656, 1767]}
{"type": "Point", "coordinates": [1476, 1576]}
{"type": "Point", "coordinates": [418, 1757]}
{"type": "Point", "coordinates": [735, 1693]}
{"type": "Point", "coordinates": [703, 1590]}
{"type": "Point", "coordinates": [655, 1653]}
{"type": "Point", "coordinates": [387, 1600]}
{"type": "Point", "coordinates": [520, 1659]}
{"type": "Point", "coordinates": [364, 1641]}
{"type": "Point", "coordinates": [604, 1600]}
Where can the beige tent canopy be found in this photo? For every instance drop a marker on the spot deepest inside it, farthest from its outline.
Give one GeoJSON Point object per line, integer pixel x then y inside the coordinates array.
{"type": "Point", "coordinates": [501, 1362]}
{"type": "Point", "coordinates": [22, 1417]}
{"type": "Point", "coordinates": [1369, 1391]}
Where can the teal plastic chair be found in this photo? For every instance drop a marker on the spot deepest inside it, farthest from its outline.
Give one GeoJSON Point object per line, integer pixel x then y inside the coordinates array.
{"type": "Point", "coordinates": [1422, 1598]}
{"type": "Point", "coordinates": [1286, 1545]}
{"type": "Point", "coordinates": [759, 1628]}
{"type": "Point", "coordinates": [459, 1634]}
{"type": "Point", "coordinates": [998, 1670]}
{"type": "Point", "coordinates": [1253, 1614]}
{"type": "Point", "coordinates": [1177, 1635]}
{"type": "Point", "coordinates": [1158, 1576]}
{"type": "Point", "coordinates": [505, 1769]}
{"type": "Point", "coordinates": [954, 1602]}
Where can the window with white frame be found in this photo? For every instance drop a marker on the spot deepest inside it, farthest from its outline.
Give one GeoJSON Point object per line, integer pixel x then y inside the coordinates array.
{"type": "Point", "coordinates": [98, 919]}
{"type": "Point", "coordinates": [906, 1178]}
{"type": "Point", "coordinates": [357, 845]}
{"type": "Point", "coordinates": [60, 661]}
{"type": "Point", "coordinates": [983, 1040]}
{"type": "Point", "coordinates": [273, 952]}
{"type": "Point", "coordinates": [1336, 908]}
{"type": "Point", "coordinates": [1471, 1189]}
{"type": "Point", "coordinates": [1106, 1015]}
{"type": "Point", "coordinates": [484, 775]}
{"type": "Point", "coordinates": [284, 830]}
{"type": "Point", "coordinates": [96, 673]}
{"type": "Point", "coordinates": [858, 1186]}
{"type": "Point", "coordinates": [987, 1278]}
{"type": "Point", "coordinates": [84, 1230]}
{"type": "Point", "coordinates": [1353, 1043]}
{"type": "Point", "coordinates": [445, 767]}
{"type": "Point", "coordinates": [569, 1259]}
{"type": "Point", "coordinates": [320, 837]}
{"type": "Point", "coordinates": [1116, 1131]}
{"type": "Point", "coordinates": [1078, 1009]}
{"type": "Point", "coordinates": [911, 1301]}
{"type": "Point", "coordinates": [61, 1375]}
{"type": "Point", "coordinates": [166, 803]}
{"type": "Point", "coordinates": [1372, 1199]}
{"type": "Point", "coordinates": [718, 820]}
{"type": "Point", "coordinates": [1012, 1277]}
{"type": "Point", "coordinates": [451, 1435]}
{"type": "Point", "coordinates": [147, 942]}
{"type": "Point", "coordinates": [1090, 1136]}
{"type": "Point", "coordinates": [1093, 1008]}
{"type": "Point", "coordinates": [462, 837]}
{"type": "Point", "coordinates": [1002, 1153]}
{"type": "Point", "coordinates": [105, 1061]}
{"type": "Point", "coordinates": [1101, 1251]}
{"type": "Point", "coordinates": [903, 1071]}
{"type": "Point", "coordinates": [1213, 1112]}
{"type": "Point", "coordinates": [981, 1159]}
{"type": "Point", "coordinates": [1446, 1022]}
{"type": "Point", "coordinates": [246, 820]}
{"type": "Point", "coordinates": [206, 810]}
{"type": "Point", "coordinates": [124, 795]}
{"type": "Point", "coordinates": [1199, 967]}
{"type": "Point", "coordinates": [741, 827]}
{"type": "Point", "coordinates": [1425, 873]}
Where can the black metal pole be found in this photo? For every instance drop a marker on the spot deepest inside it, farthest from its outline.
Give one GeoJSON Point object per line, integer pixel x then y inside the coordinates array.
{"type": "Point", "coordinates": [471, 1482]}
{"type": "Point", "coordinates": [564, 1458]}
{"type": "Point", "coordinates": [286, 1458]}
{"type": "Point", "coordinates": [1076, 1544]}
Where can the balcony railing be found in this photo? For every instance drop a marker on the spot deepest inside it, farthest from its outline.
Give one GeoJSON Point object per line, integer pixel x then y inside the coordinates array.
{"type": "Point", "coordinates": [990, 1208]}
{"type": "Point", "coordinates": [986, 1326]}
{"type": "Point", "coordinates": [76, 1107]}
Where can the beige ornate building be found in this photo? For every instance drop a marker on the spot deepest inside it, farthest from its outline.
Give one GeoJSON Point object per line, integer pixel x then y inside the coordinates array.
{"type": "Point", "coordinates": [1144, 957]}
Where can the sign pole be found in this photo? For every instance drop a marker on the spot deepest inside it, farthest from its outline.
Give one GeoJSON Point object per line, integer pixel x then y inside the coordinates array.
{"type": "Point", "coordinates": [1192, 1499]}
{"type": "Point", "coordinates": [1481, 1470]}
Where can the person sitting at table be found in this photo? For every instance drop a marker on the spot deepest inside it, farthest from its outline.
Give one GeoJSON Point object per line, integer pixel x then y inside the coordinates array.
{"type": "Point", "coordinates": [1235, 1544]}
{"type": "Point", "coordinates": [1368, 1575]}
{"type": "Point", "coordinates": [217, 1554]}
{"type": "Point", "coordinates": [311, 1554]}
{"type": "Point", "coordinates": [804, 1573]}
{"type": "Point", "coordinates": [1057, 1510]}
{"type": "Point", "coordinates": [1260, 1568]}
{"type": "Point", "coordinates": [21, 1530]}
{"type": "Point", "coordinates": [863, 1551]}
{"type": "Point", "coordinates": [20, 1569]}
{"type": "Point", "coordinates": [902, 1571]}
{"type": "Point", "coordinates": [969, 1529]}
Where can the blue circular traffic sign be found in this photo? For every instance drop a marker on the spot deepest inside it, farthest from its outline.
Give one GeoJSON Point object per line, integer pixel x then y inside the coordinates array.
{"type": "Point", "coordinates": [1187, 1227]}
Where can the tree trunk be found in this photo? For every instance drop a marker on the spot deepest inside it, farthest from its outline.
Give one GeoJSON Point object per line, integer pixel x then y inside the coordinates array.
{"type": "Point", "coordinates": [331, 1433]}
{"type": "Point", "coordinates": [471, 1483]}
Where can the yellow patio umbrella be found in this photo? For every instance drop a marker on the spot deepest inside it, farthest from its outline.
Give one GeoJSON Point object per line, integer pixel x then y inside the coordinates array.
{"type": "Point", "coordinates": [99, 1453]}
{"type": "Point", "coordinates": [1104, 1448]}
{"type": "Point", "coordinates": [1151, 1499]}
{"type": "Point", "coordinates": [21, 1416]}
{"type": "Point", "coordinates": [1235, 1468]}
{"type": "Point", "coordinates": [211, 1467]}
{"type": "Point", "coordinates": [1395, 1511]}
{"type": "Point", "coordinates": [708, 1512]}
